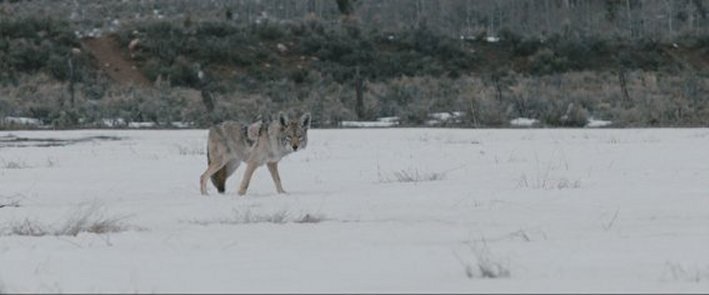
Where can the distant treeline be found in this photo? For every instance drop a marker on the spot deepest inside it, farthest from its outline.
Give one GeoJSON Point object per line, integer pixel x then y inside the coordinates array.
{"type": "Point", "coordinates": [662, 20]}
{"type": "Point", "coordinates": [561, 62]}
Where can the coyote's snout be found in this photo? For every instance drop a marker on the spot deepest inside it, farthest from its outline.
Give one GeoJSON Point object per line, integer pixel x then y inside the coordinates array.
{"type": "Point", "coordinates": [231, 143]}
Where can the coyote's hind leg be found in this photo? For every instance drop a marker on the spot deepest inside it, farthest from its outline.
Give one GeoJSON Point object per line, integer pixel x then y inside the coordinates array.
{"type": "Point", "coordinates": [219, 178]}
{"type": "Point", "coordinates": [211, 170]}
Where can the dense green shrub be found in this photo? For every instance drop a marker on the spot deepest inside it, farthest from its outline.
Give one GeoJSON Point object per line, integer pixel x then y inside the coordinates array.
{"type": "Point", "coordinates": [32, 45]}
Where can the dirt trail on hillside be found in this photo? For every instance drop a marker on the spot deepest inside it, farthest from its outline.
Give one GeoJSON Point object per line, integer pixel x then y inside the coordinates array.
{"type": "Point", "coordinates": [113, 61]}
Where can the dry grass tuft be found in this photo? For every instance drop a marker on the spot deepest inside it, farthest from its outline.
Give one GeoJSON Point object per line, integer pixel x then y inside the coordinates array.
{"type": "Point", "coordinates": [411, 176]}
{"type": "Point", "coordinates": [484, 265]}
{"type": "Point", "coordinates": [88, 219]}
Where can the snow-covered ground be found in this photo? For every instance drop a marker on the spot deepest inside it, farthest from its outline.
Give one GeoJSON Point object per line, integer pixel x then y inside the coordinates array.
{"type": "Point", "coordinates": [368, 210]}
{"type": "Point", "coordinates": [523, 122]}
{"type": "Point", "coordinates": [595, 123]}
{"type": "Point", "coordinates": [380, 122]}
{"type": "Point", "coordinates": [22, 121]}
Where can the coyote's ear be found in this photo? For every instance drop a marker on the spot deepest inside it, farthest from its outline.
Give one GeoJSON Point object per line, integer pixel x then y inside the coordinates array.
{"type": "Point", "coordinates": [305, 120]}
{"type": "Point", "coordinates": [283, 119]}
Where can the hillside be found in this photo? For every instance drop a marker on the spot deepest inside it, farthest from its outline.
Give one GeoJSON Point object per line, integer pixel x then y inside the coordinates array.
{"type": "Point", "coordinates": [113, 61]}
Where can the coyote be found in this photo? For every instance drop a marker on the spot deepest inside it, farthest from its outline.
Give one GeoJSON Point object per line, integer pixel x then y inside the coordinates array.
{"type": "Point", "coordinates": [231, 143]}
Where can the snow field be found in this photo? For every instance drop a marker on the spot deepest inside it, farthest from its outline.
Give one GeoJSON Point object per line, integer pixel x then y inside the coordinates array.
{"type": "Point", "coordinates": [368, 210]}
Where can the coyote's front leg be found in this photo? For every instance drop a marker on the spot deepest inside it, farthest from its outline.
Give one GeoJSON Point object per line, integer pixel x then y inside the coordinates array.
{"type": "Point", "coordinates": [273, 168]}
{"type": "Point", "coordinates": [250, 168]}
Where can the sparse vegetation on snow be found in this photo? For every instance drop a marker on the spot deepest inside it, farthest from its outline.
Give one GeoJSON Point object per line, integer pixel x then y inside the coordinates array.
{"type": "Point", "coordinates": [86, 218]}
{"type": "Point", "coordinates": [248, 217]}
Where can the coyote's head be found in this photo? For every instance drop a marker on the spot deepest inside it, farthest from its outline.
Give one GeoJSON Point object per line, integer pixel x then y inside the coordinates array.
{"type": "Point", "coordinates": [294, 133]}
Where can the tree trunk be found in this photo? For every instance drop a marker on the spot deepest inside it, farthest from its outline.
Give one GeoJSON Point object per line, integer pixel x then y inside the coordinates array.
{"type": "Point", "coordinates": [207, 100]}
{"type": "Point", "coordinates": [71, 81]}
{"type": "Point", "coordinates": [359, 104]}
{"type": "Point", "coordinates": [623, 87]}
